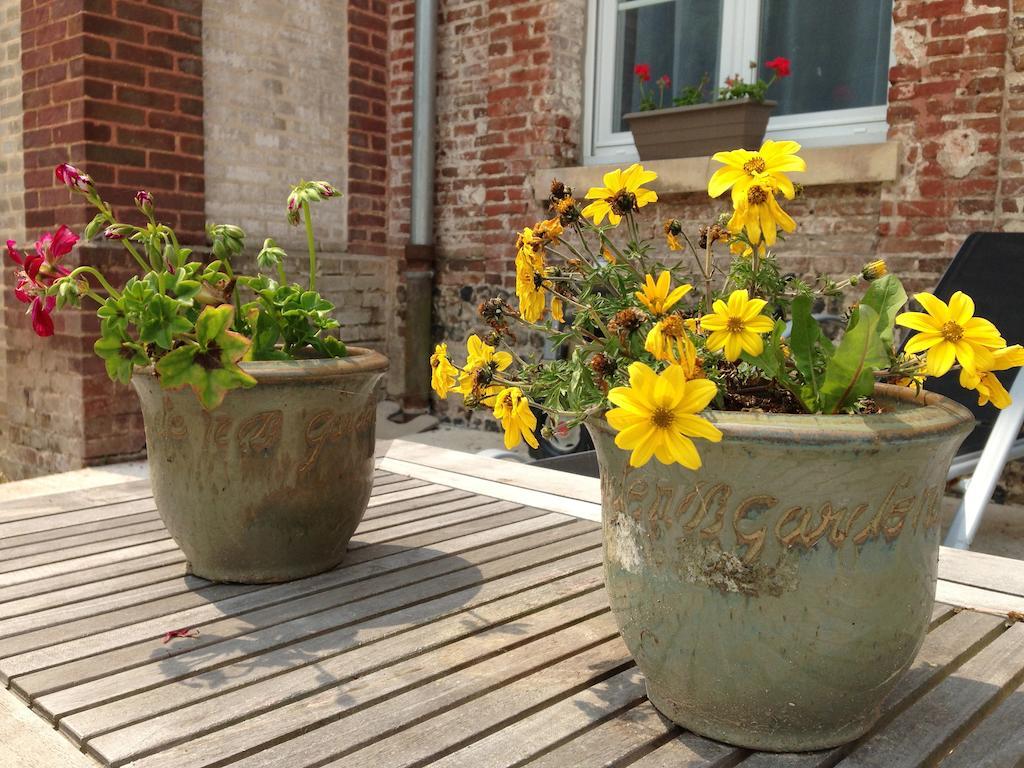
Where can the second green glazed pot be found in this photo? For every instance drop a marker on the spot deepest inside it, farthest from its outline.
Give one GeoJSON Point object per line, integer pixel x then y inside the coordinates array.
{"type": "Point", "coordinates": [773, 597]}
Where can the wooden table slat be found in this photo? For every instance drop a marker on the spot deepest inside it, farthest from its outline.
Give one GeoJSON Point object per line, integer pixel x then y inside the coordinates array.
{"type": "Point", "coordinates": [95, 578]}
{"type": "Point", "coordinates": [547, 727]}
{"type": "Point", "coordinates": [430, 720]}
{"type": "Point", "coordinates": [152, 533]}
{"type": "Point", "coordinates": [99, 589]}
{"type": "Point", "coordinates": [76, 500]}
{"type": "Point", "coordinates": [58, 523]}
{"type": "Point", "coordinates": [319, 592]}
{"type": "Point", "coordinates": [467, 627]}
{"type": "Point", "coordinates": [318, 688]}
{"type": "Point", "coordinates": [931, 723]}
{"type": "Point", "coordinates": [96, 530]}
{"type": "Point", "coordinates": [998, 741]}
{"type": "Point", "coordinates": [273, 603]}
{"type": "Point", "coordinates": [619, 740]}
{"type": "Point", "coordinates": [688, 750]}
{"type": "Point", "coordinates": [416, 548]}
{"type": "Point", "coordinates": [223, 677]}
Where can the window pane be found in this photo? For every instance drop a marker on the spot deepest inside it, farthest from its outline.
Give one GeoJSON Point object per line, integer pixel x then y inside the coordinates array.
{"type": "Point", "coordinates": [678, 38]}
{"type": "Point", "coordinates": [839, 52]}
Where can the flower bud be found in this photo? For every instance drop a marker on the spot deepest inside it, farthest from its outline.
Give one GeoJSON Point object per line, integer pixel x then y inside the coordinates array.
{"type": "Point", "coordinates": [874, 270]}
{"type": "Point", "coordinates": [294, 208]}
{"type": "Point", "coordinates": [325, 189]}
{"type": "Point", "coordinates": [115, 232]}
{"type": "Point", "coordinates": [144, 202]}
{"type": "Point", "coordinates": [73, 178]}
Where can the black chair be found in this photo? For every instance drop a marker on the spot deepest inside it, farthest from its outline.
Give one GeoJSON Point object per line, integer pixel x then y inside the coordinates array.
{"type": "Point", "coordinates": [989, 267]}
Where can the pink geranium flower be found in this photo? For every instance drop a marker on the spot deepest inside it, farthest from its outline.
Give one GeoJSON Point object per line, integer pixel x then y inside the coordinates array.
{"type": "Point", "coordinates": [38, 271]}
{"type": "Point", "coordinates": [74, 178]}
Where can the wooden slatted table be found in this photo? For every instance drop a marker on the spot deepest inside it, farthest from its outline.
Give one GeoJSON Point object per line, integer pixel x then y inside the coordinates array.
{"type": "Point", "coordinates": [468, 627]}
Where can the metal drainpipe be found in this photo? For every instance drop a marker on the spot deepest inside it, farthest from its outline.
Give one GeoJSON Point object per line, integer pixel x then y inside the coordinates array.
{"type": "Point", "coordinates": [419, 251]}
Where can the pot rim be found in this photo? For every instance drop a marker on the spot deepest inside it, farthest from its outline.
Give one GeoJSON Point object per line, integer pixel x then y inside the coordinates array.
{"type": "Point", "coordinates": [746, 102]}
{"type": "Point", "coordinates": [918, 415]}
{"type": "Point", "coordinates": [359, 360]}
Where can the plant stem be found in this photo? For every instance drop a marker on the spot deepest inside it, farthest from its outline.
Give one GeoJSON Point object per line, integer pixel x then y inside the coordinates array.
{"type": "Point", "coordinates": [86, 270]}
{"type": "Point", "coordinates": [310, 243]}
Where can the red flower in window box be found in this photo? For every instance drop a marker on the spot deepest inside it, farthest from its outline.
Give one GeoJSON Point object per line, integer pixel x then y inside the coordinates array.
{"type": "Point", "coordinates": [779, 65]}
{"type": "Point", "coordinates": [643, 71]}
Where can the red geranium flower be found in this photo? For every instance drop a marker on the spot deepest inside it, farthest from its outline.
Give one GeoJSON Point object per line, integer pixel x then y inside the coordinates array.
{"type": "Point", "coordinates": [779, 65]}
{"type": "Point", "coordinates": [38, 271]}
{"type": "Point", "coordinates": [664, 81]}
{"type": "Point", "coordinates": [643, 71]}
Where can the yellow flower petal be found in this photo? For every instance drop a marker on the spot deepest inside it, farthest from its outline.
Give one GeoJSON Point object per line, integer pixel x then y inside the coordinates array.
{"type": "Point", "coordinates": [933, 306]}
{"type": "Point", "coordinates": [940, 358]}
{"type": "Point", "coordinates": [918, 321]}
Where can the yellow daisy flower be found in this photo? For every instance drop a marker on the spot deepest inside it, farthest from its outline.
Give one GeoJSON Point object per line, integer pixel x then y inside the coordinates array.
{"type": "Point", "coordinates": [655, 416]}
{"type": "Point", "coordinates": [512, 409]}
{"type": "Point", "coordinates": [985, 382]}
{"type": "Point", "coordinates": [443, 373]}
{"type": "Point", "coordinates": [742, 167]}
{"type": "Point", "coordinates": [735, 327]}
{"type": "Point", "coordinates": [673, 229]}
{"type": "Point", "coordinates": [656, 295]}
{"type": "Point", "coordinates": [668, 341]}
{"type": "Point", "coordinates": [530, 266]}
{"type": "Point", "coordinates": [557, 309]}
{"type": "Point", "coordinates": [622, 193]}
{"type": "Point", "coordinates": [482, 355]}
{"type": "Point", "coordinates": [760, 214]}
{"type": "Point", "coordinates": [951, 333]}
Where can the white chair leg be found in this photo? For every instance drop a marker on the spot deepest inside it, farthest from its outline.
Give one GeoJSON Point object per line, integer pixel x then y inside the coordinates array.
{"type": "Point", "coordinates": [990, 466]}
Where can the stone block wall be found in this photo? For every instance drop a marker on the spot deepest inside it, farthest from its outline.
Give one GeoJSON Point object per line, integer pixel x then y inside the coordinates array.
{"type": "Point", "coordinates": [289, 100]}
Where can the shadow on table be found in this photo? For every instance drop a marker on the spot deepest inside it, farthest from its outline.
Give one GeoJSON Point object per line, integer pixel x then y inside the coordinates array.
{"type": "Point", "coordinates": [317, 625]}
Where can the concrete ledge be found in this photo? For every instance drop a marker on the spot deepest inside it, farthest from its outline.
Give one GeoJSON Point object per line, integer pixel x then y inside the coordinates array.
{"type": "Point", "coordinates": [854, 164]}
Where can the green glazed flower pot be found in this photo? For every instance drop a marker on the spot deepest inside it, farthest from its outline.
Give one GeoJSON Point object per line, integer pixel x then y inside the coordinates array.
{"type": "Point", "coordinates": [271, 485]}
{"type": "Point", "coordinates": [773, 598]}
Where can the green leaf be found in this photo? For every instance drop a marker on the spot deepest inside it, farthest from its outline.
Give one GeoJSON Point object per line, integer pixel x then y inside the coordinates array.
{"type": "Point", "coordinates": [161, 322]}
{"type": "Point", "coordinates": [176, 367]}
{"type": "Point", "coordinates": [212, 385]}
{"type": "Point", "coordinates": [771, 360]}
{"type": "Point", "coordinates": [887, 297]}
{"type": "Point", "coordinates": [849, 375]}
{"type": "Point", "coordinates": [805, 346]}
{"type": "Point", "coordinates": [120, 357]}
{"type": "Point", "coordinates": [112, 317]}
{"type": "Point", "coordinates": [212, 322]}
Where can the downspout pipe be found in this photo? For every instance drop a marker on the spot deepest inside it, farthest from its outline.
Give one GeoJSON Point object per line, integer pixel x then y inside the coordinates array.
{"type": "Point", "coordinates": [419, 251]}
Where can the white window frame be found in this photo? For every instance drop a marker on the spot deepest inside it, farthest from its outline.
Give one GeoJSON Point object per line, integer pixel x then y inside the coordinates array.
{"type": "Point", "coordinates": [740, 32]}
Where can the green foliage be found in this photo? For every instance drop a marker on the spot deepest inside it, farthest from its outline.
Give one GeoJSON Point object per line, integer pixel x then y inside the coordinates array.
{"type": "Point", "coordinates": [209, 364]}
{"type": "Point", "coordinates": [849, 374]}
{"type": "Point", "coordinates": [185, 317]}
{"type": "Point", "coordinates": [691, 94]}
{"type": "Point", "coordinates": [291, 315]}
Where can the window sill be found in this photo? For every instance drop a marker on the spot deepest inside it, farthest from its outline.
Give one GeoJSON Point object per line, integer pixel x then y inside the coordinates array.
{"type": "Point", "coordinates": [855, 164]}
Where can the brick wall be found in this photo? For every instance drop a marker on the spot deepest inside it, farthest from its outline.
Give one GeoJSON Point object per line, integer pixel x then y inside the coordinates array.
{"type": "Point", "coordinates": [287, 101]}
{"type": "Point", "coordinates": [115, 88]}
{"type": "Point", "coordinates": [509, 99]}
{"type": "Point", "coordinates": [12, 185]}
